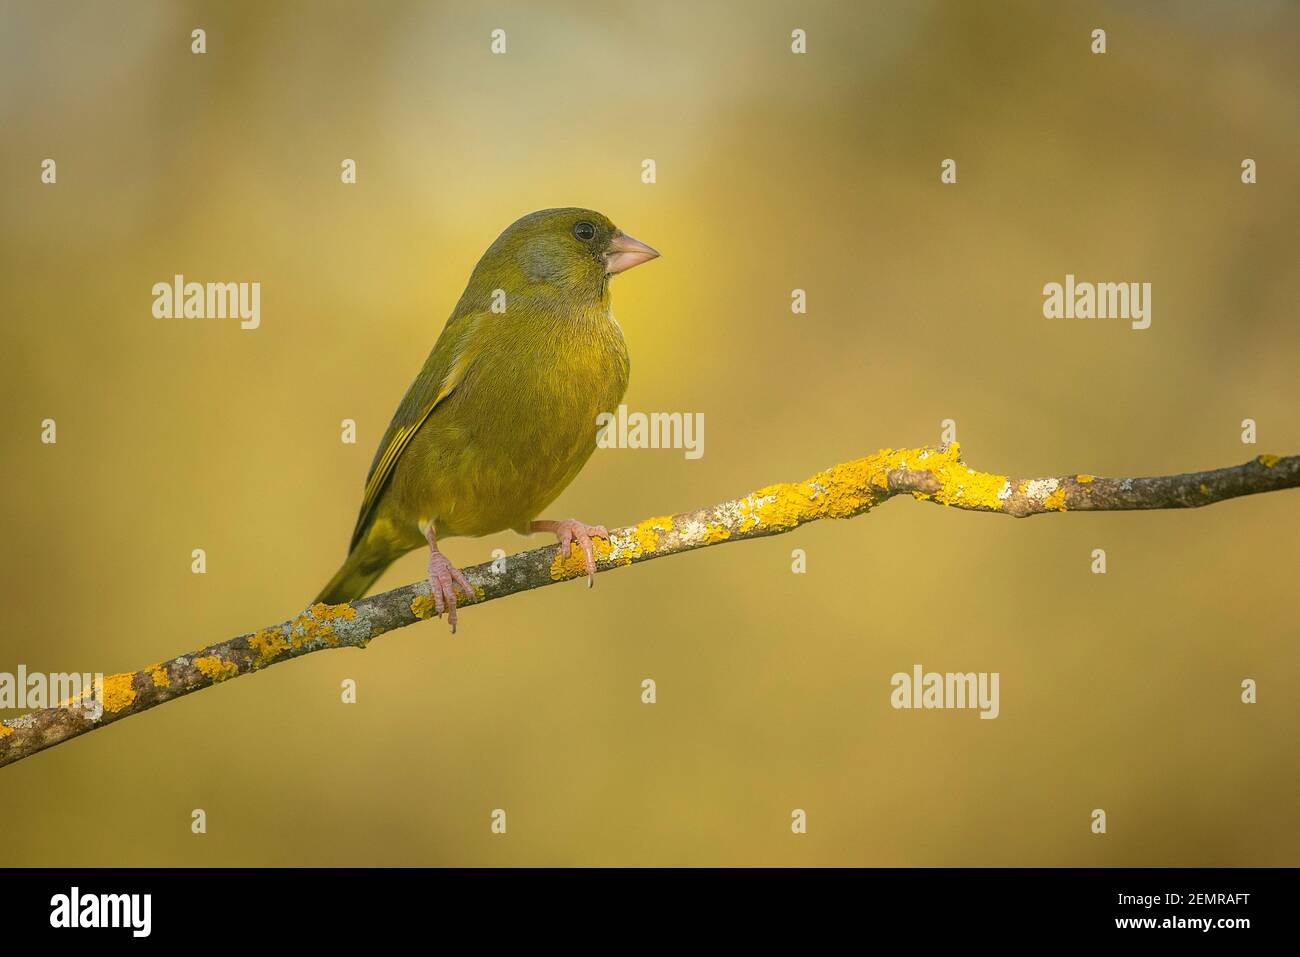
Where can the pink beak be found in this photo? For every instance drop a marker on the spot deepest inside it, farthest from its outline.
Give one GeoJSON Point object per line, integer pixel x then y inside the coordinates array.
{"type": "Point", "coordinates": [624, 252]}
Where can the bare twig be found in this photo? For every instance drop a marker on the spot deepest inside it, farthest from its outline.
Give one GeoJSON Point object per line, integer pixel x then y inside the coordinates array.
{"type": "Point", "coordinates": [843, 491]}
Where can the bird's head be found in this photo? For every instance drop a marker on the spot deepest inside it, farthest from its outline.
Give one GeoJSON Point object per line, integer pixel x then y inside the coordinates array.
{"type": "Point", "coordinates": [576, 250]}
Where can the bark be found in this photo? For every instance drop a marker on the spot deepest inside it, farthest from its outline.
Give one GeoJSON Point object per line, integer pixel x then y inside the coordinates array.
{"type": "Point", "coordinates": [929, 474]}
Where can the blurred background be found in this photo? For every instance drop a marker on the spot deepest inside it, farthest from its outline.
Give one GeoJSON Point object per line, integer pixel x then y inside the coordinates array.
{"type": "Point", "coordinates": [775, 171]}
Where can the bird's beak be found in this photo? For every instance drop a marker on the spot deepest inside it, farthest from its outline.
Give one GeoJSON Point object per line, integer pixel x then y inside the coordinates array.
{"type": "Point", "coordinates": [624, 252]}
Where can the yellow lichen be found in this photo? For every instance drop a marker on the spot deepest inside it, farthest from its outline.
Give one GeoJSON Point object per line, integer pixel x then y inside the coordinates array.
{"type": "Point", "coordinates": [324, 612]}
{"type": "Point", "coordinates": [777, 507]}
{"type": "Point", "coordinates": [5, 730]}
{"type": "Point", "coordinates": [714, 532]}
{"type": "Point", "coordinates": [644, 539]}
{"type": "Point", "coordinates": [314, 623]}
{"type": "Point", "coordinates": [647, 533]}
{"type": "Point", "coordinates": [1205, 489]}
{"type": "Point", "coordinates": [216, 668]}
{"type": "Point", "coordinates": [959, 484]}
{"type": "Point", "coordinates": [1268, 461]}
{"type": "Point", "coordinates": [841, 491]}
{"type": "Point", "coordinates": [118, 692]}
{"type": "Point", "coordinates": [159, 675]}
{"type": "Point", "coordinates": [422, 607]}
{"type": "Point", "coordinates": [268, 644]}
{"type": "Point", "coordinates": [1083, 479]}
{"type": "Point", "coordinates": [575, 563]}
{"type": "Point", "coordinates": [1056, 500]}
{"type": "Point", "coordinates": [309, 629]}
{"type": "Point", "coordinates": [971, 489]}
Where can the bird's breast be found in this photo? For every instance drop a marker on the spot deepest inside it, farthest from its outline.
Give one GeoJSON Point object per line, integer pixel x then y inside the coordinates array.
{"type": "Point", "coordinates": [520, 426]}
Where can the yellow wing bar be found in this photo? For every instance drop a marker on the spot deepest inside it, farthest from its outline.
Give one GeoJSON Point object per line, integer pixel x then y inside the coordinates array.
{"type": "Point", "coordinates": [397, 442]}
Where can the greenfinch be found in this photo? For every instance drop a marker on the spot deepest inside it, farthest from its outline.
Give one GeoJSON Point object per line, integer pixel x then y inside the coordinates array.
{"type": "Point", "coordinates": [503, 414]}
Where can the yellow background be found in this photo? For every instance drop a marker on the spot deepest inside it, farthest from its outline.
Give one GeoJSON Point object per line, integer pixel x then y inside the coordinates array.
{"type": "Point", "coordinates": [775, 171]}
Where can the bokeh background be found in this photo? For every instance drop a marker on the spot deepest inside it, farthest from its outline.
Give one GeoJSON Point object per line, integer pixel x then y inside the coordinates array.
{"type": "Point", "coordinates": [775, 171]}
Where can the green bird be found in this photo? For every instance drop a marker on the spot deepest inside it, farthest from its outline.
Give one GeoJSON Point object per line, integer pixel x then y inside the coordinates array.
{"type": "Point", "coordinates": [502, 416]}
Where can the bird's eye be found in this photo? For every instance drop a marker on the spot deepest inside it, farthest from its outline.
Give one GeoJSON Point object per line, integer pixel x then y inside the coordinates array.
{"type": "Point", "coordinates": [584, 231]}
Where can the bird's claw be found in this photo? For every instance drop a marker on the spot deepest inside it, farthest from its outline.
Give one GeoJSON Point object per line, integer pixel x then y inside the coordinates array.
{"type": "Point", "coordinates": [444, 579]}
{"type": "Point", "coordinates": [571, 532]}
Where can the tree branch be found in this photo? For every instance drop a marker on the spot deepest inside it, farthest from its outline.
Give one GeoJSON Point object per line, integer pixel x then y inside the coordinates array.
{"type": "Point", "coordinates": [842, 491]}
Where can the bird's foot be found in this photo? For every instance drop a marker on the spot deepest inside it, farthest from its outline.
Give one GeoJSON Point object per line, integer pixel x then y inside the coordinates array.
{"type": "Point", "coordinates": [572, 532]}
{"type": "Point", "coordinates": [444, 578]}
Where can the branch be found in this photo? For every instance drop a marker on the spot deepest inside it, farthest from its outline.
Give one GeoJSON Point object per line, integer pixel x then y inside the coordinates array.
{"type": "Point", "coordinates": [842, 491]}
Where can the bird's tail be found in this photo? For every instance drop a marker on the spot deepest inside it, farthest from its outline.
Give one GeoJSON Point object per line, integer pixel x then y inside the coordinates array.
{"type": "Point", "coordinates": [353, 579]}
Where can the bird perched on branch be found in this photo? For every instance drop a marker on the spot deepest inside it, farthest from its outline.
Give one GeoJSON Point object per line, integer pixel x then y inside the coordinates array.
{"type": "Point", "coordinates": [503, 415]}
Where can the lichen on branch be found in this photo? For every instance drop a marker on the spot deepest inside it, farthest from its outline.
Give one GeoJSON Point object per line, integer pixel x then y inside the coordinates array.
{"type": "Point", "coordinates": [932, 474]}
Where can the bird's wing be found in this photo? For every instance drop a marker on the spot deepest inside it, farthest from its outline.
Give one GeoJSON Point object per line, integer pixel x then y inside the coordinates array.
{"type": "Point", "coordinates": [443, 371]}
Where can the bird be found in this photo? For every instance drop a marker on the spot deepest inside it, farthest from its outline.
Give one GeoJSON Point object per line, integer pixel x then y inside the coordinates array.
{"type": "Point", "coordinates": [503, 414]}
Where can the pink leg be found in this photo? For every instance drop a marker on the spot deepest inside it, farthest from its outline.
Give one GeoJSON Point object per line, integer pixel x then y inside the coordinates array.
{"type": "Point", "coordinates": [444, 577]}
{"type": "Point", "coordinates": [570, 532]}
